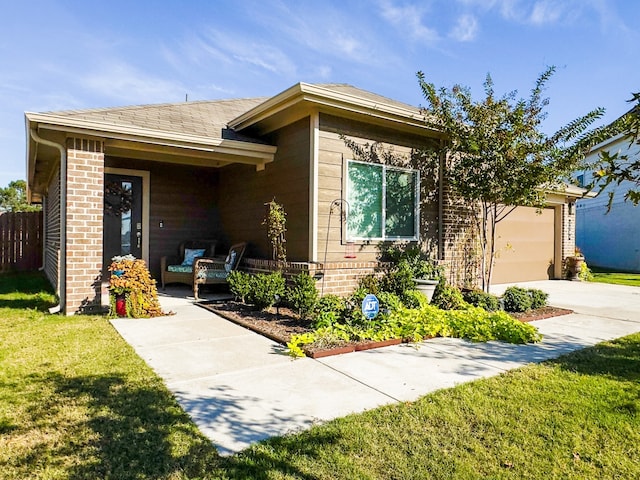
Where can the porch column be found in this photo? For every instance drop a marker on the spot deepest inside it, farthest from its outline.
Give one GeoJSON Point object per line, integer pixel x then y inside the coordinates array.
{"type": "Point", "coordinates": [84, 211]}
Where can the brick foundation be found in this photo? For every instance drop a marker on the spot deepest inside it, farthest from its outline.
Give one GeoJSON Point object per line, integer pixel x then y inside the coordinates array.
{"type": "Point", "coordinates": [338, 278]}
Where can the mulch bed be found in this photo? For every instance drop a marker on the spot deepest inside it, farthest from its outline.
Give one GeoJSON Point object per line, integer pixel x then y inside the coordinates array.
{"type": "Point", "coordinates": [541, 314]}
{"type": "Point", "coordinates": [280, 324]}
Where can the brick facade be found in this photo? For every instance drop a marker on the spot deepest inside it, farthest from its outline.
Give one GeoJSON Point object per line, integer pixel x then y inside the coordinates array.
{"type": "Point", "coordinates": [84, 211]}
{"type": "Point", "coordinates": [338, 278]}
{"type": "Point", "coordinates": [568, 231]}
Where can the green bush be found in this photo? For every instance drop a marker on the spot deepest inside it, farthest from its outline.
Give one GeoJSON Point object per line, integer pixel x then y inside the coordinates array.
{"type": "Point", "coordinates": [516, 299]}
{"type": "Point", "coordinates": [302, 295]}
{"type": "Point", "coordinates": [419, 263]}
{"type": "Point", "coordinates": [264, 288]}
{"type": "Point", "coordinates": [330, 304]}
{"type": "Point", "coordinates": [369, 284]}
{"type": "Point", "coordinates": [481, 299]}
{"type": "Point", "coordinates": [398, 279]}
{"type": "Point", "coordinates": [239, 285]}
{"type": "Point", "coordinates": [538, 298]}
{"type": "Point", "coordinates": [448, 297]}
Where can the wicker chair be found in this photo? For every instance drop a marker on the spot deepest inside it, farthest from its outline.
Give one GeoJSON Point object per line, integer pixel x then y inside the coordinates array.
{"type": "Point", "coordinates": [207, 271]}
{"type": "Point", "coordinates": [176, 270]}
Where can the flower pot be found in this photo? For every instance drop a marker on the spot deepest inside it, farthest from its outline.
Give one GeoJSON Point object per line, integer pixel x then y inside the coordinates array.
{"type": "Point", "coordinates": [426, 287]}
{"type": "Point", "coordinates": [121, 305]}
{"type": "Point", "coordinates": [574, 268]}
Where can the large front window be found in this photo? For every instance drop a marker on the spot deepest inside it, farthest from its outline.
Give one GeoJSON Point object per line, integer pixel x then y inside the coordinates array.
{"type": "Point", "coordinates": [383, 202]}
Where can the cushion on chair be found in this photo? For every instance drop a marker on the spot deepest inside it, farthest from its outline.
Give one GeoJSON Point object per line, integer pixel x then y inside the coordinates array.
{"type": "Point", "coordinates": [180, 268]}
{"type": "Point", "coordinates": [190, 254]}
{"type": "Point", "coordinates": [213, 274]}
{"type": "Point", "coordinates": [230, 261]}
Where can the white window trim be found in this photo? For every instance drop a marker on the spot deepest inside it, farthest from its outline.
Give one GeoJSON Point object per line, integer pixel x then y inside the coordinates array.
{"type": "Point", "coordinates": [416, 227]}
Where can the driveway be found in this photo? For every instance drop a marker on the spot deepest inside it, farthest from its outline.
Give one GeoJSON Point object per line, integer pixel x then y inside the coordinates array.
{"type": "Point", "coordinates": [240, 388]}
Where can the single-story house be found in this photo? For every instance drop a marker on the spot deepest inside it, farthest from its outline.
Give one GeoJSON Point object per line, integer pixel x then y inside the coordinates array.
{"type": "Point", "coordinates": [206, 169]}
{"type": "Point", "coordinates": [609, 240]}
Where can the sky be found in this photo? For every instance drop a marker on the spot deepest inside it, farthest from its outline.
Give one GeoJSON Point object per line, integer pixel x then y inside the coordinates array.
{"type": "Point", "coordinates": [76, 54]}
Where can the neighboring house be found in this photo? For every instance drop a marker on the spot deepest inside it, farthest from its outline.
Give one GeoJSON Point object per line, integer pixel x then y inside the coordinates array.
{"type": "Point", "coordinates": [609, 240]}
{"type": "Point", "coordinates": [206, 169]}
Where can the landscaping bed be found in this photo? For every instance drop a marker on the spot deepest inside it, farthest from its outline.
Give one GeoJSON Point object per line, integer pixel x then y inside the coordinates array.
{"type": "Point", "coordinates": [280, 324]}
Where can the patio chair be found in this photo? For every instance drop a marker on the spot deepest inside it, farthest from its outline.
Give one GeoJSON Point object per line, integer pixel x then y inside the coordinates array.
{"type": "Point", "coordinates": [207, 271]}
{"type": "Point", "coordinates": [179, 269]}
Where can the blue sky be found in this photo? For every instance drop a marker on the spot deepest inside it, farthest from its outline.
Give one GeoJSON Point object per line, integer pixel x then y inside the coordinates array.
{"type": "Point", "coordinates": [65, 54]}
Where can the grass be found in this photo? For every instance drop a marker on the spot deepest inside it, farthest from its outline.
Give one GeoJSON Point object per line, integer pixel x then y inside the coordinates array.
{"type": "Point", "coordinates": [616, 278]}
{"type": "Point", "coordinates": [76, 402]}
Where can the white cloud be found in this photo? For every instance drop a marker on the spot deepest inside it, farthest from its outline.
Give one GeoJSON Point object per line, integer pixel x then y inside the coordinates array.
{"type": "Point", "coordinates": [124, 83]}
{"type": "Point", "coordinates": [545, 12]}
{"type": "Point", "coordinates": [465, 29]}
{"type": "Point", "coordinates": [325, 30]}
{"type": "Point", "coordinates": [409, 19]}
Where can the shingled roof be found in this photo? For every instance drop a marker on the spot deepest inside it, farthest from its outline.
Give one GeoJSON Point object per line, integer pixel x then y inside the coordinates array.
{"type": "Point", "coordinates": [200, 118]}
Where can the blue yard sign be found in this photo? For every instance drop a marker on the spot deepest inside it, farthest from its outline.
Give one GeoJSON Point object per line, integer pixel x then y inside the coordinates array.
{"type": "Point", "coordinates": [370, 306]}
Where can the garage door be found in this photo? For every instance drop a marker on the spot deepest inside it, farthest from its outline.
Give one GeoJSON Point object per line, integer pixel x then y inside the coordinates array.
{"type": "Point", "coordinates": [525, 246]}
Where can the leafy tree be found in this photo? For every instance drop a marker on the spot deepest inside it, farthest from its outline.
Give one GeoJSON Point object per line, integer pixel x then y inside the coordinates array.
{"type": "Point", "coordinates": [14, 198]}
{"type": "Point", "coordinates": [498, 156]}
{"type": "Point", "coordinates": [617, 168]}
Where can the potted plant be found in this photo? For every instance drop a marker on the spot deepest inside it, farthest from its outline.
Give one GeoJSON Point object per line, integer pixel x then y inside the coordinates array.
{"type": "Point", "coordinates": [133, 291]}
{"type": "Point", "coordinates": [574, 266]}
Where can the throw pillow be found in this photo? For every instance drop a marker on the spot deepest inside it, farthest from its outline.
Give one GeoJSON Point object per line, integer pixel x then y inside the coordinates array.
{"type": "Point", "coordinates": [190, 254]}
{"type": "Point", "coordinates": [229, 262]}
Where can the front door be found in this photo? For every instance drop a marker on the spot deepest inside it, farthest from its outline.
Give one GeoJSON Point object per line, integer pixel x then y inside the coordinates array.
{"type": "Point", "coordinates": [122, 216]}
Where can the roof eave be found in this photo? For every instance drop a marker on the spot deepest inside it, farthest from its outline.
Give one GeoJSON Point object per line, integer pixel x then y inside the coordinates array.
{"type": "Point", "coordinates": [319, 97]}
{"type": "Point", "coordinates": [144, 135]}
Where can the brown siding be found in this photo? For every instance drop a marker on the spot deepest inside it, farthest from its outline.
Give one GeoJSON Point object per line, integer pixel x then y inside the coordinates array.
{"type": "Point", "coordinates": [244, 191]}
{"type": "Point", "coordinates": [52, 232]}
{"type": "Point", "coordinates": [333, 153]}
{"type": "Point", "coordinates": [185, 198]}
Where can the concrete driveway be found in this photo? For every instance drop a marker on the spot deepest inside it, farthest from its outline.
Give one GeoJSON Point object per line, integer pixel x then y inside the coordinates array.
{"type": "Point", "coordinates": [240, 388]}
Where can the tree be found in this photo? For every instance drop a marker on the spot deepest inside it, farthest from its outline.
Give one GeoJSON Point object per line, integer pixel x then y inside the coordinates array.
{"type": "Point", "coordinates": [617, 168]}
{"type": "Point", "coordinates": [14, 198]}
{"type": "Point", "coordinates": [498, 156]}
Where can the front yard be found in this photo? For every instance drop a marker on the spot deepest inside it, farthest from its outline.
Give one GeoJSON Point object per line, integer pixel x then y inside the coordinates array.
{"type": "Point", "coordinates": [77, 402]}
{"type": "Point", "coordinates": [616, 278]}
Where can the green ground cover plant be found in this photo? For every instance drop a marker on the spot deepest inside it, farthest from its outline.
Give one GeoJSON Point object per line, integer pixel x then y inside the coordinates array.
{"type": "Point", "coordinates": [76, 402]}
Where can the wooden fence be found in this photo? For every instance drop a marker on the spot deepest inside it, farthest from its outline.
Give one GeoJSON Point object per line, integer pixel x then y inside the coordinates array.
{"type": "Point", "coordinates": [20, 241]}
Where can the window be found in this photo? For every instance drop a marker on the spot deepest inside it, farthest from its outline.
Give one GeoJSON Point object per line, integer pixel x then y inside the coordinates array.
{"type": "Point", "coordinates": [383, 202]}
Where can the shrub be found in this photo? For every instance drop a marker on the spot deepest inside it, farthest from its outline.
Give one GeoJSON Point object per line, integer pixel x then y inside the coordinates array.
{"type": "Point", "coordinates": [330, 304]}
{"type": "Point", "coordinates": [448, 297]}
{"type": "Point", "coordinates": [239, 285]}
{"type": "Point", "coordinates": [538, 298]}
{"type": "Point", "coordinates": [303, 294]}
{"type": "Point", "coordinates": [369, 284]}
{"type": "Point", "coordinates": [420, 265]}
{"type": "Point", "coordinates": [481, 299]}
{"type": "Point", "coordinates": [516, 299]}
{"type": "Point", "coordinates": [398, 279]}
{"type": "Point", "coordinates": [585, 273]}
{"type": "Point", "coordinates": [264, 288]}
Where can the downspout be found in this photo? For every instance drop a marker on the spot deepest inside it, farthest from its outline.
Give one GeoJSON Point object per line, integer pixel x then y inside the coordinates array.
{"type": "Point", "coordinates": [441, 167]}
{"type": "Point", "coordinates": [62, 264]}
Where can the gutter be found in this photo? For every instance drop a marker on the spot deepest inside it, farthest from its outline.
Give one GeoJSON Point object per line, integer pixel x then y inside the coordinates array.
{"type": "Point", "coordinates": [62, 265]}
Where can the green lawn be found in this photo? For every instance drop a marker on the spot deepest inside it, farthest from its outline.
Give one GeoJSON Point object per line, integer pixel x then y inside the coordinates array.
{"type": "Point", "coordinates": [617, 278]}
{"type": "Point", "coordinates": [76, 402]}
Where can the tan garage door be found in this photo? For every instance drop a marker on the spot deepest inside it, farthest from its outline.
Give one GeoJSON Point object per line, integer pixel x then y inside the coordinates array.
{"type": "Point", "coordinates": [525, 246]}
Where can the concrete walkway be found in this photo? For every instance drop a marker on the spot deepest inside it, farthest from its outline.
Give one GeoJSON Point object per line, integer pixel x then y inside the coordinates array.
{"type": "Point", "coordinates": [240, 387]}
